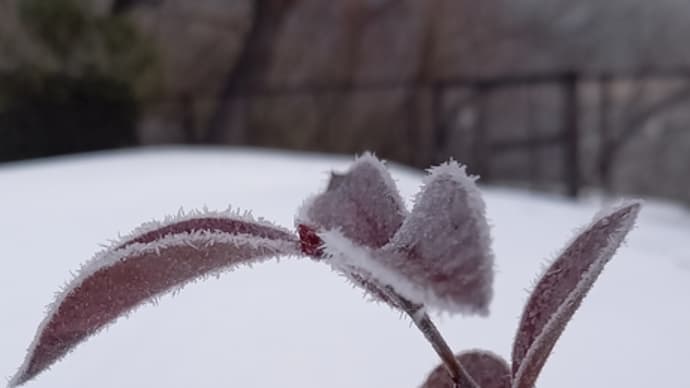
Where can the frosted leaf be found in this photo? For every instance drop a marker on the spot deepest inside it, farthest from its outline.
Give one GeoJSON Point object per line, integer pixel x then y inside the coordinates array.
{"type": "Point", "coordinates": [363, 204]}
{"type": "Point", "coordinates": [443, 247]}
{"type": "Point", "coordinates": [362, 266]}
{"type": "Point", "coordinates": [141, 268]}
{"type": "Point", "coordinates": [488, 370]}
{"type": "Point", "coordinates": [562, 288]}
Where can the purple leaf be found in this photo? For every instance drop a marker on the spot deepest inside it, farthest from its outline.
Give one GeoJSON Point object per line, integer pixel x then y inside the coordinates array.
{"type": "Point", "coordinates": [488, 370]}
{"type": "Point", "coordinates": [155, 259]}
{"type": "Point", "coordinates": [363, 204]}
{"type": "Point", "coordinates": [443, 247]}
{"type": "Point", "coordinates": [562, 288]}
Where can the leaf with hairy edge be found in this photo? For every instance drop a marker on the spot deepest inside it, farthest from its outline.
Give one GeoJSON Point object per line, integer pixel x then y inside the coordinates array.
{"type": "Point", "coordinates": [562, 288]}
{"type": "Point", "coordinates": [487, 369]}
{"type": "Point", "coordinates": [443, 248]}
{"type": "Point", "coordinates": [156, 258]}
{"type": "Point", "coordinates": [364, 204]}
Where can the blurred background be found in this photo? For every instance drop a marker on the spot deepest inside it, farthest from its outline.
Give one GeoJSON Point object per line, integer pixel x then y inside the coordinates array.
{"type": "Point", "coordinates": [553, 95]}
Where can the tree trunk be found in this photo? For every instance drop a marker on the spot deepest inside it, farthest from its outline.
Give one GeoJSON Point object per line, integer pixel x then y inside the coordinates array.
{"type": "Point", "coordinates": [248, 72]}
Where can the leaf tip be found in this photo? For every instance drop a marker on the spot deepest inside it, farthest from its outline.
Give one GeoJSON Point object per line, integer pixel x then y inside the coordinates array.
{"type": "Point", "coordinates": [21, 376]}
{"type": "Point", "coordinates": [564, 285]}
{"type": "Point", "coordinates": [452, 169]}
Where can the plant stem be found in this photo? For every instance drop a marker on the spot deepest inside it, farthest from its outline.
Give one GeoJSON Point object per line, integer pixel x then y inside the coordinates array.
{"type": "Point", "coordinates": [421, 319]}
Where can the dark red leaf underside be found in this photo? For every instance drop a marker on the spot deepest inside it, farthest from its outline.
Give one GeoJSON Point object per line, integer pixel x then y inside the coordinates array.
{"type": "Point", "coordinates": [144, 274]}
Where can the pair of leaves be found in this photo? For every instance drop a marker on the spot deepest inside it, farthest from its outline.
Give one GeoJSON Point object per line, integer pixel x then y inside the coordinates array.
{"type": "Point", "coordinates": [557, 295]}
{"type": "Point", "coordinates": [436, 255]}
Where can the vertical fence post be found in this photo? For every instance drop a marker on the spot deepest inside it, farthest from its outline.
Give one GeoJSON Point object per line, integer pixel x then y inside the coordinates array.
{"type": "Point", "coordinates": [438, 123]}
{"type": "Point", "coordinates": [481, 147]}
{"type": "Point", "coordinates": [416, 100]}
{"type": "Point", "coordinates": [533, 133]}
{"type": "Point", "coordinates": [571, 134]}
{"type": "Point", "coordinates": [188, 119]}
{"type": "Point", "coordinates": [605, 139]}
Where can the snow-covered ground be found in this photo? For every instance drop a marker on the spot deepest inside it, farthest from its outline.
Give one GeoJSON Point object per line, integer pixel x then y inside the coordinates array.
{"type": "Point", "coordinates": [297, 324]}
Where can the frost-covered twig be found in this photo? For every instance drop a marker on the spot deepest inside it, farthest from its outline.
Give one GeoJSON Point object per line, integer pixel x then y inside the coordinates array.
{"type": "Point", "coordinates": [421, 319]}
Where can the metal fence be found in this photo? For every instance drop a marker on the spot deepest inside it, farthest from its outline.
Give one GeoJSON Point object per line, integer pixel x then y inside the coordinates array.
{"type": "Point", "coordinates": [485, 148]}
{"type": "Point", "coordinates": [430, 135]}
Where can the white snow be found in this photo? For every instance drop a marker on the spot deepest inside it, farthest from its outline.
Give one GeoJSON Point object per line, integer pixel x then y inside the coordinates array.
{"type": "Point", "coordinates": [296, 323]}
